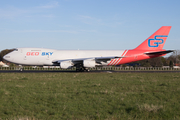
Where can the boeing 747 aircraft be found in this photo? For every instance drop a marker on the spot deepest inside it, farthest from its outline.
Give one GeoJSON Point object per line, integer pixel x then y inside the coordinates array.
{"type": "Point", "coordinates": [84, 59]}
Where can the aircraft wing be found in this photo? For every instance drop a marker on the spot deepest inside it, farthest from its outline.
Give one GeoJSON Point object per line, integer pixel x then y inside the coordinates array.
{"type": "Point", "coordinates": [159, 52]}
{"type": "Point", "coordinates": [94, 58]}
{"type": "Point", "coordinates": [104, 59]}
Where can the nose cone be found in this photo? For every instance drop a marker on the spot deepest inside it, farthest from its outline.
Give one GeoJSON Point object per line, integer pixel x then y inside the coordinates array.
{"type": "Point", "coordinates": [6, 57]}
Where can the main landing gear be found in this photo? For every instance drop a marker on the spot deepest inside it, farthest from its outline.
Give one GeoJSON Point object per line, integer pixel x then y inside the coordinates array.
{"type": "Point", "coordinates": [80, 68]}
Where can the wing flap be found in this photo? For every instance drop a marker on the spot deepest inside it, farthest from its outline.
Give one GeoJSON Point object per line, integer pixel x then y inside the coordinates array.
{"type": "Point", "coordinates": [108, 58]}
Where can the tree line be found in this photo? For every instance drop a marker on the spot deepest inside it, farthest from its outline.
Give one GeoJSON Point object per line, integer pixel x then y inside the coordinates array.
{"type": "Point", "coordinates": [173, 59]}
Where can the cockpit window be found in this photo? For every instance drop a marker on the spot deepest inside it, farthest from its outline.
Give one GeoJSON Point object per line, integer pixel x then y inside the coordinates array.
{"type": "Point", "coordinates": [15, 49]}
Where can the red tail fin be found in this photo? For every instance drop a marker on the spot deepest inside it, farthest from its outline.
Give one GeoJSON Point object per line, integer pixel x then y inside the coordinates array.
{"type": "Point", "coordinates": [156, 41]}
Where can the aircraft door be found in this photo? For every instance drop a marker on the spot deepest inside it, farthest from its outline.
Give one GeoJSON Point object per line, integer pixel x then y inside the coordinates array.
{"type": "Point", "coordinates": [49, 55]}
{"type": "Point", "coordinates": [21, 51]}
{"type": "Point", "coordinates": [47, 58]}
{"type": "Point", "coordinates": [25, 57]}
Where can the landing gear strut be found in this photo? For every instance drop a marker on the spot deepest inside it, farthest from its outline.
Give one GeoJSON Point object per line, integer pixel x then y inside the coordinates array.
{"type": "Point", "coordinates": [21, 68]}
{"type": "Point", "coordinates": [80, 68]}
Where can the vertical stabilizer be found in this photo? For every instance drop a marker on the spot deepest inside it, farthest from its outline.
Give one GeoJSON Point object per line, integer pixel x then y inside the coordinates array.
{"type": "Point", "coordinates": [156, 41]}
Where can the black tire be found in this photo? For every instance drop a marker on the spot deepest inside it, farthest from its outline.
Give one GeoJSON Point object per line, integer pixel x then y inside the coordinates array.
{"type": "Point", "coordinates": [21, 69]}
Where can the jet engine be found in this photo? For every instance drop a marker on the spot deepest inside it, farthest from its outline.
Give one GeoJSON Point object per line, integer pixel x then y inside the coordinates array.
{"type": "Point", "coordinates": [89, 63]}
{"type": "Point", "coordinates": [66, 64]}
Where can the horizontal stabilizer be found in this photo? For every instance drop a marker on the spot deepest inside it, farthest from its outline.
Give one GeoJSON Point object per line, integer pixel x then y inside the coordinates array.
{"type": "Point", "coordinates": [159, 52]}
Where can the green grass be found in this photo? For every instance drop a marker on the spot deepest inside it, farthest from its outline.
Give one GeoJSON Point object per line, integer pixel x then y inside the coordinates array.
{"type": "Point", "coordinates": [32, 96]}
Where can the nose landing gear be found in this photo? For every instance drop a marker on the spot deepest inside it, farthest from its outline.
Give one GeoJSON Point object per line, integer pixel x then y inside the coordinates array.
{"type": "Point", "coordinates": [21, 68]}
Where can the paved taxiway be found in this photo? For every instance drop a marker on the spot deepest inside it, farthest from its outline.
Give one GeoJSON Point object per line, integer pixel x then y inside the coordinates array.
{"type": "Point", "coordinates": [95, 71]}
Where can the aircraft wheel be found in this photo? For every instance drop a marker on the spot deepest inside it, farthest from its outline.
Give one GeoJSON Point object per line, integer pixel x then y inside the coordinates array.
{"type": "Point", "coordinates": [86, 70]}
{"type": "Point", "coordinates": [81, 69]}
{"type": "Point", "coordinates": [21, 69]}
{"type": "Point", "coordinates": [78, 69]}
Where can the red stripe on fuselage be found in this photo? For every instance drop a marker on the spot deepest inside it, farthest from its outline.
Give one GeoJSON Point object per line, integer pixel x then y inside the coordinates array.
{"type": "Point", "coordinates": [120, 58]}
{"type": "Point", "coordinates": [111, 61]}
{"type": "Point", "coordinates": [115, 60]}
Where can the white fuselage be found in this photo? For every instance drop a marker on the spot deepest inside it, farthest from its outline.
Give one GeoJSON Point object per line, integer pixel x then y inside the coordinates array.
{"type": "Point", "coordinates": [41, 56]}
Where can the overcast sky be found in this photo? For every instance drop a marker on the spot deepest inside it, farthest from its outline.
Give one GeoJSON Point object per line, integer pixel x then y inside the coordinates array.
{"type": "Point", "coordinates": [86, 24]}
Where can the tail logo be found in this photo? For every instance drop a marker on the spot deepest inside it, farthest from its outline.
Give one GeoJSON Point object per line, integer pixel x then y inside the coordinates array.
{"type": "Point", "coordinates": [156, 41]}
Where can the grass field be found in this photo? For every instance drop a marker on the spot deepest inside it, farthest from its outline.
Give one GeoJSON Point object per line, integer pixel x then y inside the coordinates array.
{"type": "Point", "coordinates": [111, 96]}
